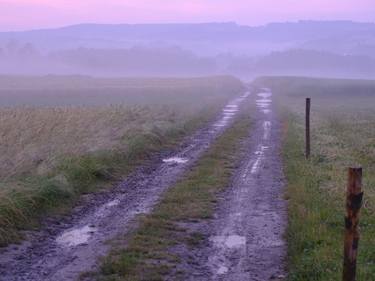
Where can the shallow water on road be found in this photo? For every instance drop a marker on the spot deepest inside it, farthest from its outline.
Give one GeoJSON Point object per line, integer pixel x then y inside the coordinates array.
{"type": "Point", "coordinates": [230, 241]}
{"type": "Point", "coordinates": [176, 160]}
{"type": "Point", "coordinates": [247, 242]}
{"type": "Point", "coordinates": [264, 101]}
{"type": "Point", "coordinates": [230, 111]}
{"type": "Point", "coordinates": [76, 236]}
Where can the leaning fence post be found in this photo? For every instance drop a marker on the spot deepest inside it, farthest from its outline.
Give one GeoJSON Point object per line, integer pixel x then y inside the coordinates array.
{"type": "Point", "coordinates": [308, 105]}
{"type": "Point", "coordinates": [354, 197]}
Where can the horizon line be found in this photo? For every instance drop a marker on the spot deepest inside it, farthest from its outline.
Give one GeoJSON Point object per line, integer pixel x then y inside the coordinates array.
{"type": "Point", "coordinates": [189, 23]}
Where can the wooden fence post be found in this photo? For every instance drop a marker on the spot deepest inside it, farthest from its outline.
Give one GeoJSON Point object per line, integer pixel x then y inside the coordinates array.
{"type": "Point", "coordinates": [308, 148]}
{"type": "Point", "coordinates": [354, 197]}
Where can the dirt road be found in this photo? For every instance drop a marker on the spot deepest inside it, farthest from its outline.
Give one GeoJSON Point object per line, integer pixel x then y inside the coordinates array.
{"type": "Point", "coordinates": [67, 246]}
{"type": "Point", "coordinates": [246, 235]}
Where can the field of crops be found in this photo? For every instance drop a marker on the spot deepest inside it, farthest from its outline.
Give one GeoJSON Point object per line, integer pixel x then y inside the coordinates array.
{"type": "Point", "coordinates": [343, 135]}
{"type": "Point", "coordinates": [78, 133]}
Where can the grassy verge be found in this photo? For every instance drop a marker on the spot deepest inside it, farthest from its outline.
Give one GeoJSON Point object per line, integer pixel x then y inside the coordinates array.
{"type": "Point", "coordinates": [27, 197]}
{"type": "Point", "coordinates": [315, 229]}
{"type": "Point", "coordinates": [316, 210]}
{"type": "Point", "coordinates": [147, 254]}
{"type": "Point", "coordinates": [343, 127]}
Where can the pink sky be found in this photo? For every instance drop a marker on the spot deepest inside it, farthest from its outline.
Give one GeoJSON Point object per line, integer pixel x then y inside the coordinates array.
{"type": "Point", "coordinates": [28, 14]}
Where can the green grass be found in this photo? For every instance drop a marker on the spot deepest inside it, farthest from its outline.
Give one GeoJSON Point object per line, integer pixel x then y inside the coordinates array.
{"type": "Point", "coordinates": [343, 125]}
{"type": "Point", "coordinates": [50, 156]}
{"type": "Point", "coordinates": [147, 253]}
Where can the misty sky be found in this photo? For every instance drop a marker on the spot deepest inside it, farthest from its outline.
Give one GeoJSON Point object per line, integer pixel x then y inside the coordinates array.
{"type": "Point", "coordinates": [29, 14]}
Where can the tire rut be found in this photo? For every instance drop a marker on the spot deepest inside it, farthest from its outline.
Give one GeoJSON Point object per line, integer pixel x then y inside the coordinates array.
{"type": "Point", "coordinates": [246, 235]}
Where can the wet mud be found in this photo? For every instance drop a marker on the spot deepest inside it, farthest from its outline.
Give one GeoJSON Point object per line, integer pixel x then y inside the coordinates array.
{"type": "Point", "coordinates": [245, 238]}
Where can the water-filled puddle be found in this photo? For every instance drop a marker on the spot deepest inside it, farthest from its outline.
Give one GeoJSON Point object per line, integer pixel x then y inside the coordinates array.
{"type": "Point", "coordinates": [176, 160]}
{"type": "Point", "coordinates": [222, 270]}
{"type": "Point", "coordinates": [260, 154]}
{"type": "Point", "coordinates": [265, 95]}
{"type": "Point", "coordinates": [230, 113]}
{"type": "Point", "coordinates": [264, 102]}
{"type": "Point", "coordinates": [230, 241]}
{"type": "Point", "coordinates": [221, 124]}
{"type": "Point", "coordinates": [230, 110]}
{"type": "Point", "coordinates": [76, 236]}
{"type": "Point", "coordinates": [113, 203]}
{"type": "Point", "coordinates": [267, 129]}
{"type": "Point", "coordinates": [266, 111]}
{"type": "Point", "coordinates": [245, 95]}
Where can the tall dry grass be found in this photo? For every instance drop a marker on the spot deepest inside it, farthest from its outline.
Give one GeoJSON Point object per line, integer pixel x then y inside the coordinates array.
{"type": "Point", "coordinates": [33, 139]}
{"type": "Point", "coordinates": [49, 155]}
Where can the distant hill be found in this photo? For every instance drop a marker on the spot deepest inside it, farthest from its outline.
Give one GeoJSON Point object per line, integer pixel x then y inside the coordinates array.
{"type": "Point", "coordinates": [136, 61]}
{"type": "Point", "coordinates": [205, 38]}
{"type": "Point", "coordinates": [314, 63]}
{"type": "Point", "coordinates": [319, 48]}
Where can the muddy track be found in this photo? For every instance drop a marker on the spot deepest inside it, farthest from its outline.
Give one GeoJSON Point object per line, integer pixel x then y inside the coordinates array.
{"type": "Point", "coordinates": [245, 239]}
{"type": "Point", "coordinates": [66, 247]}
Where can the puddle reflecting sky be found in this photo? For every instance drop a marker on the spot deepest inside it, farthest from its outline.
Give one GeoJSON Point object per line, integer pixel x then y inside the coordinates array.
{"type": "Point", "coordinates": [76, 236]}
{"type": "Point", "coordinates": [176, 160]}
{"type": "Point", "coordinates": [230, 241]}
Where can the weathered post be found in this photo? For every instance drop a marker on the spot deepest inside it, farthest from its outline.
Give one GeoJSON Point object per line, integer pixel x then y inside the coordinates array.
{"type": "Point", "coordinates": [308, 148]}
{"type": "Point", "coordinates": [354, 197]}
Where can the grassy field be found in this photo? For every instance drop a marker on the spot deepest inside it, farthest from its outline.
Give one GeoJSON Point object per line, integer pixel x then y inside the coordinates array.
{"type": "Point", "coordinates": [47, 91]}
{"type": "Point", "coordinates": [147, 253]}
{"type": "Point", "coordinates": [343, 122]}
{"type": "Point", "coordinates": [77, 134]}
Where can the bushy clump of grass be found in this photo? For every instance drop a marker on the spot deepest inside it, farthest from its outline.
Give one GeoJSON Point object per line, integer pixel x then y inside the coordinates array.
{"type": "Point", "coordinates": [147, 254]}
{"type": "Point", "coordinates": [343, 129]}
{"type": "Point", "coordinates": [49, 156]}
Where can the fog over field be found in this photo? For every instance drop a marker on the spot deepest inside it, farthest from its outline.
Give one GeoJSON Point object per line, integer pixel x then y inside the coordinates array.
{"type": "Point", "coordinates": [192, 140]}
{"type": "Point", "coordinates": [310, 48]}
